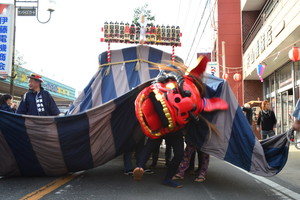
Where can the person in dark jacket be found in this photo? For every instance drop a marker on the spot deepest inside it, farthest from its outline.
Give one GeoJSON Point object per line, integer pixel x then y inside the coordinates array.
{"type": "Point", "coordinates": [267, 120]}
{"type": "Point", "coordinates": [6, 103]}
{"type": "Point", "coordinates": [37, 101]}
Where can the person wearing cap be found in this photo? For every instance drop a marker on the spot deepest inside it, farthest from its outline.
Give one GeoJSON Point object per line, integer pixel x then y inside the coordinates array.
{"type": "Point", "coordinates": [37, 101]}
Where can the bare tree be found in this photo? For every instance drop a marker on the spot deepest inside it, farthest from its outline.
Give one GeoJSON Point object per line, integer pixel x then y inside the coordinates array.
{"type": "Point", "coordinates": [18, 62]}
{"type": "Point", "coordinates": [19, 59]}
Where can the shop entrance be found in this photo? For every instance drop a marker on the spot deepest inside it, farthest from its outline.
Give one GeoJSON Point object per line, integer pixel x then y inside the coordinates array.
{"type": "Point", "coordinates": [284, 111]}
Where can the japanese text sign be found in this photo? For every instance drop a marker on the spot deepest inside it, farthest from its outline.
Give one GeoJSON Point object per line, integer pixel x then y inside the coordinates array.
{"type": "Point", "coordinates": [6, 37]}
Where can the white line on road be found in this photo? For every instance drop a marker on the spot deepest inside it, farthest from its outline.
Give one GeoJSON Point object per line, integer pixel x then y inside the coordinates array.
{"type": "Point", "coordinates": [279, 188]}
{"type": "Point", "coordinates": [276, 186]}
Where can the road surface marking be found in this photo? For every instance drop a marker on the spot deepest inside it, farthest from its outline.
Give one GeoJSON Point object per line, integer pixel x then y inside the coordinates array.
{"type": "Point", "coordinates": [279, 188]}
{"type": "Point", "coordinates": [39, 193]}
{"type": "Point", "coordinates": [276, 186]}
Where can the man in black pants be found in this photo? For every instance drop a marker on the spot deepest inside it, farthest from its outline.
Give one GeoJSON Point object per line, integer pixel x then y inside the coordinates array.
{"type": "Point", "coordinates": [155, 155]}
{"type": "Point", "coordinates": [176, 141]}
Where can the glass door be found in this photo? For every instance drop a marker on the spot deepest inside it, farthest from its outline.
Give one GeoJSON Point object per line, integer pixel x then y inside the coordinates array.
{"type": "Point", "coordinates": [278, 113]}
{"type": "Point", "coordinates": [286, 110]}
{"type": "Point", "coordinates": [285, 117]}
{"type": "Point", "coordinates": [290, 109]}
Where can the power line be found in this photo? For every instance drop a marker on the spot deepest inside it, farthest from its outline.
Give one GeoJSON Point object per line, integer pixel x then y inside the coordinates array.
{"type": "Point", "coordinates": [186, 16]}
{"type": "Point", "coordinates": [178, 12]}
{"type": "Point", "coordinates": [188, 32]}
{"type": "Point", "coordinates": [197, 30]}
{"type": "Point", "coordinates": [212, 10]}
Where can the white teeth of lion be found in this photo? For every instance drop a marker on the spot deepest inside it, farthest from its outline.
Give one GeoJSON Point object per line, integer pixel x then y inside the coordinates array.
{"type": "Point", "coordinates": [158, 97]}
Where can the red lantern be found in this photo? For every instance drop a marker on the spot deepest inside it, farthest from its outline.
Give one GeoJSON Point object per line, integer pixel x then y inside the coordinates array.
{"type": "Point", "coordinates": [225, 76]}
{"type": "Point", "coordinates": [294, 54]}
{"type": "Point", "coordinates": [237, 77]}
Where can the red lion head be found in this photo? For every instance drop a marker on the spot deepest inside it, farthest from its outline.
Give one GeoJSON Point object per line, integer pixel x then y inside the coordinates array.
{"type": "Point", "coordinates": [172, 101]}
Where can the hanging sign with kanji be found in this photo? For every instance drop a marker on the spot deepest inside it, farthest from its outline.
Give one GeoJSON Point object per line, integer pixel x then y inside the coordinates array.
{"type": "Point", "coordinates": [6, 37]}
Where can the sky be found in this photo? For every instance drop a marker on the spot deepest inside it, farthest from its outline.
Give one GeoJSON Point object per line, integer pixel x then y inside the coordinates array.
{"type": "Point", "coordinates": [66, 48]}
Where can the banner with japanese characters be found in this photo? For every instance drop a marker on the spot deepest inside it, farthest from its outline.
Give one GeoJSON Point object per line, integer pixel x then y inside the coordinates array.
{"type": "Point", "coordinates": [6, 37]}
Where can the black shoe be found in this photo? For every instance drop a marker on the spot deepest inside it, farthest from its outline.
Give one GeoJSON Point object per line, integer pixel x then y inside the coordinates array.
{"type": "Point", "coordinates": [148, 171]}
{"type": "Point", "coordinates": [129, 173]}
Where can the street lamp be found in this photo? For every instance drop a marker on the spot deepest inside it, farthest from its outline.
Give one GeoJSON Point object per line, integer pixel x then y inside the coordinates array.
{"type": "Point", "coordinates": [50, 10]}
{"type": "Point", "coordinates": [33, 10]}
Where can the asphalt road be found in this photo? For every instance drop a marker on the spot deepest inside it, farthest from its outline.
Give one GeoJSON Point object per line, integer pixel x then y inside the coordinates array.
{"type": "Point", "coordinates": [224, 181]}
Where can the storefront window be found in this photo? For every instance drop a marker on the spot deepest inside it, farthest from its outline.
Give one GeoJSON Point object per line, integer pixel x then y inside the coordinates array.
{"type": "Point", "coordinates": [297, 70]}
{"type": "Point", "coordinates": [271, 82]}
{"type": "Point", "coordinates": [278, 113]}
{"type": "Point", "coordinates": [273, 103]}
{"type": "Point", "coordinates": [297, 80]}
{"type": "Point", "coordinates": [267, 85]}
{"type": "Point", "coordinates": [285, 75]}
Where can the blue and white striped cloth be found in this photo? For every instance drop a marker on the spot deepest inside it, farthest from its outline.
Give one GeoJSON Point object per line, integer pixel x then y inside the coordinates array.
{"type": "Point", "coordinates": [114, 80]}
{"type": "Point", "coordinates": [102, 125]}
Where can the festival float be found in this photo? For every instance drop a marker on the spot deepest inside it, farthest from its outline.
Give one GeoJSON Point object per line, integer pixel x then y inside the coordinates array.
{"type": "Point", "coordinates": [117, 104]}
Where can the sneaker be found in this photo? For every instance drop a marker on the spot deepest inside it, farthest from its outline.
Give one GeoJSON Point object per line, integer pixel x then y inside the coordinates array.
{"type": "Point", "coordinates": [129, 173]}
{"type": "Point", "coordinates": [148, 171]}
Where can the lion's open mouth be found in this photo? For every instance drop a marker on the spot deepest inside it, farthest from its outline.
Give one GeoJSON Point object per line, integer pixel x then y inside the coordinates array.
{"type": "Point", "coordinates": [156, 115]}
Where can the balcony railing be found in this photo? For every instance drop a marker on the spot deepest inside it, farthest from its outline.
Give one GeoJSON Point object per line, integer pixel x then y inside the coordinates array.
{"type": "Point", "coordinates": [261, 19]}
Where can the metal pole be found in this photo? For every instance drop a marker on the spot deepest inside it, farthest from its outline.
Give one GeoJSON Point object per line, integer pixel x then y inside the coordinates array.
{"type": "Point", "coordinates": [173, 53]}
{"type": "Point", "coordinates": [223, 57]}
{"type": "Point", "coordinates": [13, 75]}
{"type": "Point", "coordinates": [294, 83]}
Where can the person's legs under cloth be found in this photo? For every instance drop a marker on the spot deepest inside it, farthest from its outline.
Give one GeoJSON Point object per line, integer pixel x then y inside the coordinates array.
{"type": "Point", "coordinates": [128, 169]}
{"type": "Point", "coordinates": [168, 153]}
{"type": "Point", "coordinates": [144, 156]}
{"type": "Point", "coordinates": [176, 141]}
{"type": "Point", "coordinates": [203, 166]}
{"type": "Point", "coordinates": [185, 163]}
{"type": "Point", "coordinates": [155, 155]}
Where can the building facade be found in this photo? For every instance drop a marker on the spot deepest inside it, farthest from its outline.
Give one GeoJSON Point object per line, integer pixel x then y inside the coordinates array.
{"type": "Point", "coordinates": [62, 94]}
{"type": "Point", "coordinates": [270, 29]}
{"type": "Point", "coordinates": [227, 51]}
{"type": "Point", "coordinates": [251, 33]}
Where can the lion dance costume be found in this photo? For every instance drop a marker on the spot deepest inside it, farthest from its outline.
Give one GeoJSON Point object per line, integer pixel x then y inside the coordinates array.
{"type": "Point", "coordinates": [173, 100]}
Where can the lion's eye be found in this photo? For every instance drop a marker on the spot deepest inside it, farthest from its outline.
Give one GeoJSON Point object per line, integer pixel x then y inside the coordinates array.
{"type": "Point", "coordinates": [177, 99]}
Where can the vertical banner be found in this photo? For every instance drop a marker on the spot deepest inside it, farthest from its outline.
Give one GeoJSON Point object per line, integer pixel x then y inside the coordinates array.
{"type": "Point", "coordinates": [213, 69]}
{"type": "Point", "coordinates": [6, 37]}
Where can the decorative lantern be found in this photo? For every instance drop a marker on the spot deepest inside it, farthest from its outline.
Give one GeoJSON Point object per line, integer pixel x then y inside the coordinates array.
{"type": "Point", "coordinates": [237, 77]}
{"type": "Point", "coordinates": [225, 76]}
{"type": "Point", "coordinates": [260, 70]}
{"type": "Point", "coordinates": [294, 54]}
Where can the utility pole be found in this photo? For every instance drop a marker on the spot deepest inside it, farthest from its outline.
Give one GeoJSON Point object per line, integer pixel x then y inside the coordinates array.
{"type": "Point", "coordinates": [13, 75]}
{"type": "Point", "coordinates": [32, 13]}
{"type": "Point", "coordinates": [223, 57]}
